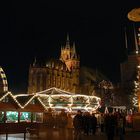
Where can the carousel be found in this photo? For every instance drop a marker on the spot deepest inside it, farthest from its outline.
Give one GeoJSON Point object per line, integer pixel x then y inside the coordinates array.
{"type": "Point", "coordinates": [59, 99]}
{"type": "Point", "coordinates": [32, 107]}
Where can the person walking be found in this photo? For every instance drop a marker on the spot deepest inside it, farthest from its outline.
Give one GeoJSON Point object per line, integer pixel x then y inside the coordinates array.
{"type": "Point", "coordinates": [78, 125]}
{"type": "Point", "coordinates": [93, 124]}
{"type": "Point", "coordinates": [86, 123]}
{"type": "Point", "coordinates": [110, 126]}
{"type": "Point", "coordinates": [121, 127]}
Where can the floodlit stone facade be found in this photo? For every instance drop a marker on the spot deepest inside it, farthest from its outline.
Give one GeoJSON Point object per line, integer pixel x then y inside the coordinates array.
{"type": "Point", "coordinates": [61, 73]}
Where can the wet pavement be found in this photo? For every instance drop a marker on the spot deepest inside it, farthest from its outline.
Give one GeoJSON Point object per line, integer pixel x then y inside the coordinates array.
{"type": "Point", "coordinates": [43, 135]}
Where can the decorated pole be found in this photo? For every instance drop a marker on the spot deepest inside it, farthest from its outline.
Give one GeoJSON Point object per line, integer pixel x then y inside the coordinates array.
{"type": "Point", "coordinates": [139, 101]}
{"type": "Point", "coordinates": [134, 15]}
{"type": "Point", "coordinates": [138, 86]}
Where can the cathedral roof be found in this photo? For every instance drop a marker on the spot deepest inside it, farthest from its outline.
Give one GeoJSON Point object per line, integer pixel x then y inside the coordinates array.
{"type": "Point", "coordinates": [56, 63]}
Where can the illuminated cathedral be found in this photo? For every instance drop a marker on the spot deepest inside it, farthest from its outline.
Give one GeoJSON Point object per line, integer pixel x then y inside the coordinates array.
{"type": "Point", "coordinates": [62, 73]}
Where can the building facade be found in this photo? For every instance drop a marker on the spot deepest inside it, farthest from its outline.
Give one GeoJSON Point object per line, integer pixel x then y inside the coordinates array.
{"type": "Point", "coordinates": [129, 66]}
{"type": "Point", "coordinates": [62, 73]}
{"type": "Point", "coordinates": [130, 71]}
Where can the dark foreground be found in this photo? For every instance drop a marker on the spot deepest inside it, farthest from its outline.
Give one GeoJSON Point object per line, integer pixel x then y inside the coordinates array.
{"type": "Point", "coordinates": [130, 135]}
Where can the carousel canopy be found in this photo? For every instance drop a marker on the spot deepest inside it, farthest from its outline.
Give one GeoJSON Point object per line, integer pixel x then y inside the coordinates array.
{"type": "Point", "coordinates": [53, 98]}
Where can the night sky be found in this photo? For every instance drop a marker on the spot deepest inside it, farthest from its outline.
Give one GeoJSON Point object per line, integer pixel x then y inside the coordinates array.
{"type": "Point", "coordinates": [38, 29]}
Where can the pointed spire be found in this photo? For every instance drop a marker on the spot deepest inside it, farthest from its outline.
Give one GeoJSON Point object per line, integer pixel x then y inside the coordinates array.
{"type": "Point", "coordinates": [68, 42]}
{"type": "Point", "coordinates": [74, 54]}
{"type": "Point", "coordinates": [34, 63]}
{"type": "Point", "coordinates": [74, 47]}
{"type": "Point", "coordinates": [68, 37]}
{"type": "Point", "coordinates": [61, 54]}
{"type": "Point", "coordinates": [136, 43]}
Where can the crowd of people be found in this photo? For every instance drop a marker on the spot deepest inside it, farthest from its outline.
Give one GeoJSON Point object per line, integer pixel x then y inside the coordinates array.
{"type": "Point", "coordinates": [72, 127]}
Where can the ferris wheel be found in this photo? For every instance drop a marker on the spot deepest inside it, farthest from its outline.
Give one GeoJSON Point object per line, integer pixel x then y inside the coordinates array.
{"type": "Point", "coordinates": [3, 81]}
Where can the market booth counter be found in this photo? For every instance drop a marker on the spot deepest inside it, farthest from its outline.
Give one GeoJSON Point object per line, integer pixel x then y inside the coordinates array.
{"type": "Point", "coordinates": [31, 113]}
{"type": "Point", "coordinates": [16, 117]}
{"type": "Point", "coordinates": [32, 109]}
{"type": "Point", "coordinates": [9, 114]}
{"type": "Point", "coordinates": [9, 120]}
{"type": "Point", "coordinates": [8, 104]}
{"type": "Point", "coordinates": [26, 123]}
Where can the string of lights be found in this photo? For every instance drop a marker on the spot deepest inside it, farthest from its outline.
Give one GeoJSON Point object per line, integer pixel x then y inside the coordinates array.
{"type": "Point", "coordinates": [59, 100]}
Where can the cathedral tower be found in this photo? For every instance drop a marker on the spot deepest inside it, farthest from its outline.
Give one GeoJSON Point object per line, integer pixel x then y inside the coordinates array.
{"type": "Point", "coordinates": [69, 56]}
{"type": "Point", "coordinates": [62, 73]}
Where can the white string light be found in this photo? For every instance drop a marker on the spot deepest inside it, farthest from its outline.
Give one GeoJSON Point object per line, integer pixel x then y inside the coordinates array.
{"type": "Point", "coordinates": [68, 101]}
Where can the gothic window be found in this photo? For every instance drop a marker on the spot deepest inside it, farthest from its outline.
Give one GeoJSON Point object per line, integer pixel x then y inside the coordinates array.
{"type": "Point", "coordinates": [38, 82]}
{"type": "Point", "coordinates": [44, 82]}
{"type": "Point", "coordinates": [58, 81]}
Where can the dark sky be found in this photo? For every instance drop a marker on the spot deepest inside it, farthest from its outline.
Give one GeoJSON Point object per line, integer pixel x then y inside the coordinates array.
{"type": "Point", "coordinates": [39, 28]}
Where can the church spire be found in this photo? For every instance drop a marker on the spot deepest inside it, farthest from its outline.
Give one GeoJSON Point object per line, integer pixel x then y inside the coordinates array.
{"type": "Point", "coordinates": [68, 39]}
{"type": "Point", "coordinates": [136, 43]}
{"type": "Point", "coordinates": [74, 54]}
{"type": "Point", "coordinates": [68, 42]}
{"type": "Point", "coordinates": [34, 63]}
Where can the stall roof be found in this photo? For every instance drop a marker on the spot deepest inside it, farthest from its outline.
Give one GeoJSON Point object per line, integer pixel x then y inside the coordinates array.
{"type": "Point", "coordinates": [23, 99]}
{"type": "Point", "coordinates": [32, 108]}
{"type": "Point", "coordinates": [4, 106]}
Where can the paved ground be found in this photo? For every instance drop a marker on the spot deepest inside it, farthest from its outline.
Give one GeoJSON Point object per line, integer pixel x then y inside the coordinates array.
{"type": "Point", "coordinates": [55, 136]}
